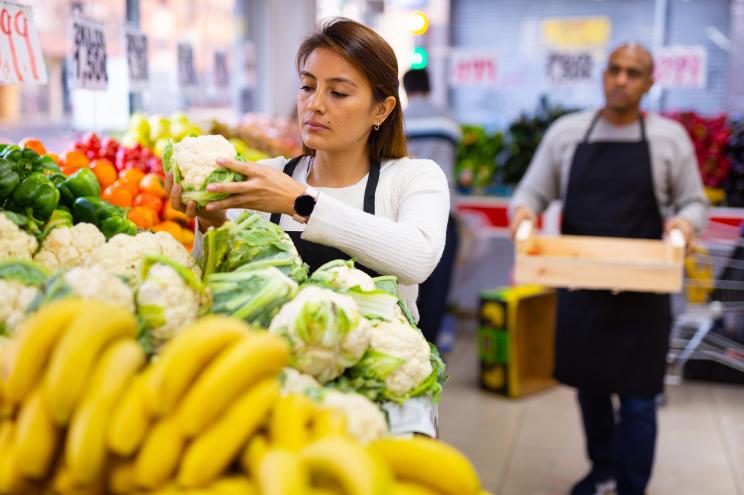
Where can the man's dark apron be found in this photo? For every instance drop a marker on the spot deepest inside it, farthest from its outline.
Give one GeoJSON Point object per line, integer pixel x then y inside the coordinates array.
{"type": "Point", "coordinates": [609, 343]}
{"type": "Point", "coordinates": [317, 255]}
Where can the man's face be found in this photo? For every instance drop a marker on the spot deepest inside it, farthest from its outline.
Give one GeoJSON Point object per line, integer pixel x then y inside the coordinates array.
{"type": "Point", "coordinates": [627, 78]}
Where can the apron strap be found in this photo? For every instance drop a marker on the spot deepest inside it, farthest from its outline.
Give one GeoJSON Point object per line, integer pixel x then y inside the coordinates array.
{"type": "Point", "coordinates": [641, 120]}
{"type": "Point", "coordinates": [289, 169]}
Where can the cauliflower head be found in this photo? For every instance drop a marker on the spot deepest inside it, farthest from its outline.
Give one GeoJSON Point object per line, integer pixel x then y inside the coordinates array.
{"type": "Point", "coordinates": [296, 382]}
{"type": "Point", "coordinates": [122, 254]}
{"type": "Point", "coordinates": [193, 162]}
{"type": "Point", "coordinates": [340, 274]}
{"type": "Point", "coordinates": [169, 297]}
{"type": "Point", "coordinates": [68, 247]}
{"type": "Point", "coordinates": [96, 283]}
{"type": "Point", "coordinates": [325, 331]}
{"type": "Point", "coordinates": [15, 243]}
{"type": "Point", "coordinates": [364, 419]}
{"type": "Point", "coordinates": [401, 341]}
{"type": "Point", "coordinates": [16, 297]}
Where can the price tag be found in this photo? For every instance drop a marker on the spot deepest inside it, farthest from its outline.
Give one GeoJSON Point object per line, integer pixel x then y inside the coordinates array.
{"type": "Point", "coordinates": [565, 68]}
{"type": "Point", "coordinates": [137, 59]}
{"type": "Point", "coordinates": [186, 70]}
{"type": "Point", "coordinates": [88, 67]}
{"type": "Point", "coordinates": [21, 61]}
{"type": "Point", "coordinates": [681, 67]}
{"type": "Point", "coordinates": [473, 69]}
{"type": "Point", "coordinates": [221, 72]}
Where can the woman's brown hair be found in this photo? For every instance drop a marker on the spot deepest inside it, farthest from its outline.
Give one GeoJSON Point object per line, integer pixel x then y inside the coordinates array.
{"type": "Point", "coordinates": [375, 59]}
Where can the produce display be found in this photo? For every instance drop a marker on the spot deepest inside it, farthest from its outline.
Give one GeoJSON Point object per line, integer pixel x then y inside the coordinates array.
{"type": "Point", "coordinates": [262, 136]}
{"type": "Point", "coordinates": [83, 410]}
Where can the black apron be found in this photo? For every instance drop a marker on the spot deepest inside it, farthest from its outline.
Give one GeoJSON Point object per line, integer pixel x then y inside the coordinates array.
{"type": "Point", "coordinates": [317, 255]}
{"type": "Point", "coordinates": [612, 343]}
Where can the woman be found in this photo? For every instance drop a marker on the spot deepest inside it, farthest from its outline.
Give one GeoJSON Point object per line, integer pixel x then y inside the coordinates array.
{"type": "Point", "coordinates": [353, 193]}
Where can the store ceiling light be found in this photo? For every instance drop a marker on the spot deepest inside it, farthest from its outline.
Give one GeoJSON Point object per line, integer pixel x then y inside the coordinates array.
{"type": "Point", "coordinates": [418, 22]}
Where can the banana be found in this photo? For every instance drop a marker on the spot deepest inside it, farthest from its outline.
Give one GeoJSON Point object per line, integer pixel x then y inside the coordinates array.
{"type": "Point", "coordinates": [37, 437]}
{"type": "Point", "coordinates": [212, 452]}
{"type": "Point", "coordinates": [130, 418]}
{"type": "Point", "coordinates": [121, 477]}
{"type": "Point", "coordinates": [97, 325]}
{"type": "Point", "coordinates": [151, 387]}
{"type": "Point", "coordinates": [234, 485]}
{"type": "Point", "coordinates": [85, 450]}
{"type": "Point", "coordinates": [158, 458]}
{"type": "Point", "coordinates": [65, 483]}
{"type": "Point", "coordinates": [349, 464]}
{"type": "Point", "coordinates": [328, 422]}
{"type": "Point", "coordinates": [288, 426]}
{"type": "Point", "coordinates": [7, 349]}
{"type": "Point", "coordinates": [228, 376]}
{"type": "Point", "coordinates": [430, 463]}
{"type": "Point", "coordinates": [11, 478]}
{"type": "Point", "coordinates": [405, 488]}
{"type": "Point", "coordinates": [253, 453]}
{"type": "Point", "coordinates": [188, 354]}
{"type": "Point", "coordinates": [36, 339]}
{"type": "Point", "coordinates": [282, 473]}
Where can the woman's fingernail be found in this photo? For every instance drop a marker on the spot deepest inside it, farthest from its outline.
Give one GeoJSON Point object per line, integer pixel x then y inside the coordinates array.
{"type": "Point", "coordinates": [220, 161]}
{"type": "Point", "coordinates": [210, 207]}
{"type": "Point", "coordinates": [211, 188]}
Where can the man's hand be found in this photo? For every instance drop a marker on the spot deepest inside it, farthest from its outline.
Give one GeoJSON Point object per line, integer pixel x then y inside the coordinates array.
{"type": "Point", "coordinates": [684, 226]}
{"type": "Point", "coordinates": [520, 214]}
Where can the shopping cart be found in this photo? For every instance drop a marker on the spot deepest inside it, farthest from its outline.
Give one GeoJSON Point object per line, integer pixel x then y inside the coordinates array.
{"type": "Point", "coordinates": [710, 323]}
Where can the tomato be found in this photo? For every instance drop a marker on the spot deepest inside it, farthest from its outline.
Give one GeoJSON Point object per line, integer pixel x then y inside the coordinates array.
{"type": "Point", "coordinates": [131, 178]}
{"type": "Point", "coordinates": [33, 144]}
{"type": "Point", "coordinates": [75, 158]}
{"type": "Point", "coordinates": [149, 201]}
{"type": "Point", "coordinates": [105, 172]}
{"type": "Point", "coordinates": [68, 170]}
{"type": "Point", "coordinates": [143, 217]}
{"type": "Point", "coordinates": [118, 195]}
{"type": "Point", "coordinates": [153, 184]}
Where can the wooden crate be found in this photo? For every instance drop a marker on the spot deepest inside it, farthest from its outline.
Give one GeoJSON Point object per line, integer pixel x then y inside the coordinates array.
{"type": "Point", "coordinates": [618, 264]}
{"type": "Point", "coordinates": [516, 340]}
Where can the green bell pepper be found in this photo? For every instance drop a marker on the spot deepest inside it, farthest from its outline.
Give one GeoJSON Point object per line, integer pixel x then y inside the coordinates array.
{"type": "Point", "coordinates": [35, 196]}
{"type": "Point", "coordinates": [9, 179]}
{"type": "Point", "coordinates": [82, 183]}
{"type": "Point", "coordinates": [60, 218]}
{"type": "Point", "coordinates": [110, 219]}
{"type": "Point", "coordinates": [118, 225]}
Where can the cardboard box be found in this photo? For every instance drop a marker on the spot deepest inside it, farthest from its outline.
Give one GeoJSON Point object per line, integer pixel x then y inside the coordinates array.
{"type": "Point", "coordinates": [516, 339]}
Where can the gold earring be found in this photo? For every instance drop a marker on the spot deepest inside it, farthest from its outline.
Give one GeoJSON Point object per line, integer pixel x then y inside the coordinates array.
{"type": "Point", "coordinates": [377, 127]}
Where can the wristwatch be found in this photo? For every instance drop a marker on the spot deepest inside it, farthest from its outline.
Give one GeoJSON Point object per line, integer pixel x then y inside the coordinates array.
{"type": "Point", "coordinates": [304, 205]}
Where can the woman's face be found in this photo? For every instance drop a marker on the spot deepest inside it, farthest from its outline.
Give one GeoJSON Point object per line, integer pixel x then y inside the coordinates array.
{"type": "Point", "coordinates": [335, 107]}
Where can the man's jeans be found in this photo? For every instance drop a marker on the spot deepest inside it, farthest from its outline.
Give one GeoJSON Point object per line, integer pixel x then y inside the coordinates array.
{"type": "Point", "coordinates": [621, 448]}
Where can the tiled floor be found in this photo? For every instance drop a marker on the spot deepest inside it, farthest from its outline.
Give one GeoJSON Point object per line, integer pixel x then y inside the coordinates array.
{"type": "Point", "coordinates": [534, 446]}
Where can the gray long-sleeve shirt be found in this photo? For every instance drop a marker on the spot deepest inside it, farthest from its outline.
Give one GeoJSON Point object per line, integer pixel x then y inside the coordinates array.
{"type": "Point", "coordinates": [677, 184]}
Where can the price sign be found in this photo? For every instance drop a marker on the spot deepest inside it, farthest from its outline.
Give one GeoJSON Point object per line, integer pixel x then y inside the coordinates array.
{"type": "Point", "coordinates": [473, 69]}
{"type": "Point", "coordinates": [137, 60]}
{"type": "Point", "coordinates": [566, 68]}
{"type": "Point", "coordinates": [21, 61]}
{"type": "Point", "coordinates": [681, 67]}
{"type": "Point", "coordinates": [186, 70]}
{"type": "Point", "coordinates": [88, 59]}
{"type": "Point", "coordinates": [221, 72]}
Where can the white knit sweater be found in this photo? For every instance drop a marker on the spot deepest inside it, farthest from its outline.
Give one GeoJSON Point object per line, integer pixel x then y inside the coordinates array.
{"type": "Point", "coordinates": [405, 237]}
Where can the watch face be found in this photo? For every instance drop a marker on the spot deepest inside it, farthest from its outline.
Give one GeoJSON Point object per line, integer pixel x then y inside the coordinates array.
{"type": "Point", "coordinates": [304, 205]}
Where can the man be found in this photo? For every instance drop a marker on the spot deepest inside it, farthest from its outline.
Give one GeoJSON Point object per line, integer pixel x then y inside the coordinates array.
{"type": "Point", "coordinates": [432, 133]}
{"type": "Point", "coordinates": [617, 173]}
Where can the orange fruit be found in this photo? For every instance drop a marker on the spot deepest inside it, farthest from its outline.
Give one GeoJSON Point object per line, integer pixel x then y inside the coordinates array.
{"type": "Point", "coordinates": [34, 144]}
{"type": "Point", "coordinates": [143, 217]}
{"type": "Point", "coordinates": [149, 200]}
{"type": "Point", "coordinates": [68, 170]}
{"type": "Point", "coordinates": [131, 178]}
{"type": "Point", "coordinates": [105, 172]}
{"type": "Point", "coordinates": [118, 195]}
{"type": "Point", "coordinates": [153, 184]}
{"type": "Point", "coordinates": [75, 158]}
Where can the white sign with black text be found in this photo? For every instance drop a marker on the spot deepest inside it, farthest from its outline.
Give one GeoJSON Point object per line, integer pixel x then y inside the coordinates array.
{"type": "Point", "coordinates": [566, 68]}
{"type": "Point", "coordinates": [88, 58]}
{"type": "Point", "coordinates": [186, 69]}
{"type": "Point", "coordinates": [137, 59]}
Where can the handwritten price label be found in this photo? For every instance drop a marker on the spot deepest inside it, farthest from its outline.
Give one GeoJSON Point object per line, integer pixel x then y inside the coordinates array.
{"type": "Point", "coordinates": [186, 70]}
{"type": "Point", "coordinates": [138, 62]}
{"type": "Point", "coordinates": [473, 69]}
{"type": "Point", "coordinates": [88, 57]}
{"type": "Point", "coordinates": [21, 61]}
{"type": "Point", "coordinates": [681, 67]}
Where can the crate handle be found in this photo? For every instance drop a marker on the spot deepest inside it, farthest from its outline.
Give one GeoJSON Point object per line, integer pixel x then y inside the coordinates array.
{"type": "Point", "coordinates": [524, 230]}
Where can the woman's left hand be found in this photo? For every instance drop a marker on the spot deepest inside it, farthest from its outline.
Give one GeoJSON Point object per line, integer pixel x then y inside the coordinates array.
{"type": "Point", "coordinates": [264, 189]}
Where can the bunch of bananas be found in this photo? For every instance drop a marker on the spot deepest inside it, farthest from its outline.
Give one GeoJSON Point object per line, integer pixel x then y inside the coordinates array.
{"type": "Point", "coordinates": [81, 412]}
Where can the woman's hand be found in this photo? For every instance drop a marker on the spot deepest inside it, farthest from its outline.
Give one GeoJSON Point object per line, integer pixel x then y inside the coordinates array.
{"type": "Point", "coordinates": [264, 189]}
{"type": "Point", "coordinates": [213, 218]}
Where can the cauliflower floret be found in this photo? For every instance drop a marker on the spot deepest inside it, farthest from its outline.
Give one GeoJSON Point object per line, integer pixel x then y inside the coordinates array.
{"type": "Point", "coordinates": [400, 340]}
{"type": "Point", "coordinates": [68, 247]}
{"type": "Point", "coordinates": [16, 297]}
{"type": "Point", "coordinates": [343, 276]}
{"type": "Point", "coordinates": [325, 330]}
{"type": "Point", "coordinates": [365, 421]}
{"type": "Point", "coordinates": [122, 254]}
{"type": "Point", "coordinates": [15, 243]}
{"type": "Point", "coordinates": [96, 283]}
{"type": "Point", "coordinates": [295, 382]}
{"type": "Point", "coordinates": [164, 292]}
{"type": "Point", "coordinates": [197, 157]}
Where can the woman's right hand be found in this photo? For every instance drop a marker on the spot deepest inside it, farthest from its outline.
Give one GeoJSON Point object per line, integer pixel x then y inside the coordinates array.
{"type": "Point", "coordinates": [211, 218]}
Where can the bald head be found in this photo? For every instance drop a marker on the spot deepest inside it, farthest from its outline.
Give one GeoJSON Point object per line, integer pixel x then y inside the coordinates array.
{"type": "Point", "coordinates": [636, 51]}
